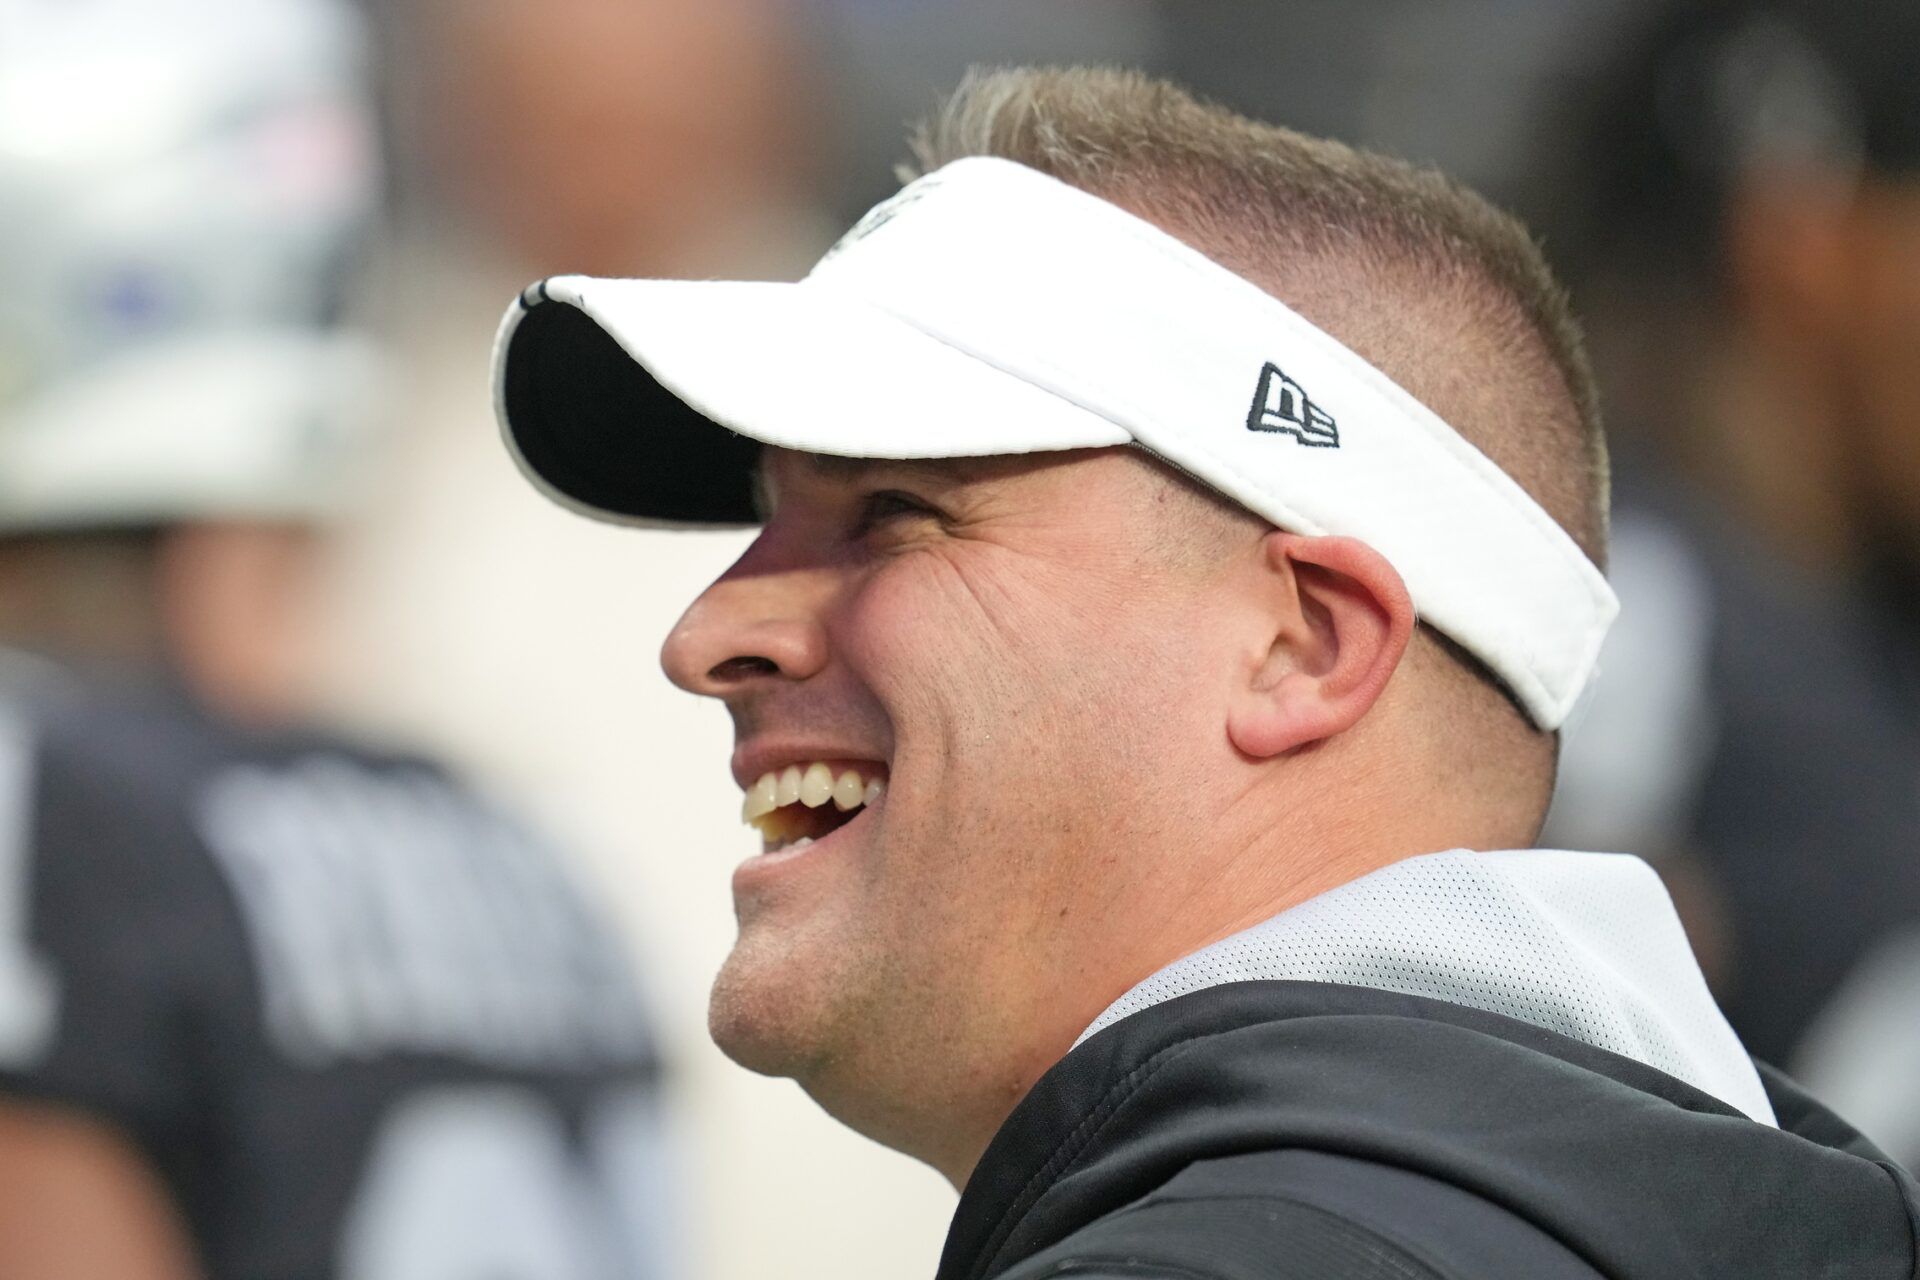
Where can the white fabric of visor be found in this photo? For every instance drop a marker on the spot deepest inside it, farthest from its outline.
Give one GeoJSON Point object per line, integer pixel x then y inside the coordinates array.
{"type": "Point", "coordinates": [988, 308]}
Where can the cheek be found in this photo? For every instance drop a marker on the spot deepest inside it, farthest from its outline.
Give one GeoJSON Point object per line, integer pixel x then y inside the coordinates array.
{"type": "Point", "coordinates": [1067, 686]}
{"type": "Point", "coordinates": [942, 643]}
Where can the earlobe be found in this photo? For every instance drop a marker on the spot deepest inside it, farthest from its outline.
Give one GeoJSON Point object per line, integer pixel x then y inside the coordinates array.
{"type": "Point", "coordinates": [1340, 622]}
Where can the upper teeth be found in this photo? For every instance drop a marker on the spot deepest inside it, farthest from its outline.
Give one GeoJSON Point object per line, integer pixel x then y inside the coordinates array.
{"type": "Point", "coordinates": [812, 786]}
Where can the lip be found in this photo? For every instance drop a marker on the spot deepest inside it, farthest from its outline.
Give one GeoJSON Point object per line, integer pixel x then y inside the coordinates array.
{"type": "Point", "coordinates": [763, 867]}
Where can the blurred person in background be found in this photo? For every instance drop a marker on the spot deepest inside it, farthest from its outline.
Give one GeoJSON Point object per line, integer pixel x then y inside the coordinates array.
{"type": "Point", "coordinates": [651, 136]}
{"type": "Point", "coordinates": [1739, 212]}
{"type": "Point", "coordinates": [272, 1004]}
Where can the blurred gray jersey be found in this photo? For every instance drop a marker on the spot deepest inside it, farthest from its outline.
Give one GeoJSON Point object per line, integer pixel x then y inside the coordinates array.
{"type": "Point", "coordinates": [359, 1021]}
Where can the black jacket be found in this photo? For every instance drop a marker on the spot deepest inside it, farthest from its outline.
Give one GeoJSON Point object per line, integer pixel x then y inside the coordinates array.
{"type": "Point", "coordinates": [1283, 1130]}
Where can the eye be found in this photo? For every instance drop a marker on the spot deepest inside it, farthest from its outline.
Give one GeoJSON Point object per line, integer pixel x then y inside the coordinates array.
{"type": "Point", "coordinates": [890, 506]}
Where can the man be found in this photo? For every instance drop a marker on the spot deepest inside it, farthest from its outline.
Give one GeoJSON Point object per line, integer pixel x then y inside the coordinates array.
{"type": "Point", "coordinates": [1179, 552]}
{"type": "Point", "coordinates": [272, 1003]}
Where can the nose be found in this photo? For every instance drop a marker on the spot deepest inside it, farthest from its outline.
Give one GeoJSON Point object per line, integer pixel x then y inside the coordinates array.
{"type": "Point", "coordinates": [748, 627]}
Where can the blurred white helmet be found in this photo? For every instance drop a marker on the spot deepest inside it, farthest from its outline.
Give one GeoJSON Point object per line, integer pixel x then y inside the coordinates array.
{"type": "Point", "coordinates": [182, 186]}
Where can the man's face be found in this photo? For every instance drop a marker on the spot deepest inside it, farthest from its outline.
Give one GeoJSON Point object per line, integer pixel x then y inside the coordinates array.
{"type": "Point", "coordinates": [1020, 650]}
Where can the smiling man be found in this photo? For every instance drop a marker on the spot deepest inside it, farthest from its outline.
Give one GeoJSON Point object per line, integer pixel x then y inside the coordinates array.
{"type": "Point", "coordinates": [1178, 559]}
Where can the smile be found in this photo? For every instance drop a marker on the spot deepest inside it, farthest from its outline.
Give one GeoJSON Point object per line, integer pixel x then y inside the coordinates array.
{"type": "Point", "coordinates": [790, 808]}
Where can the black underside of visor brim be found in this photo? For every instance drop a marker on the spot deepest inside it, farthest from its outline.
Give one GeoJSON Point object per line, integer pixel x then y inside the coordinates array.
{"type": "Point", "coordinates": [590, 420]}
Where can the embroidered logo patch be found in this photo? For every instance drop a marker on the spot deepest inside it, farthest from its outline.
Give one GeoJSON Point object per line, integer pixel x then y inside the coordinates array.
{"type": "Point", "coordinates": [1279, 404]}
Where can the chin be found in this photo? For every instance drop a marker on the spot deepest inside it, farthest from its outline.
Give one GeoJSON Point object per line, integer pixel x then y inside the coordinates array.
{"type": "Point", "coordinates": [763, 1019]}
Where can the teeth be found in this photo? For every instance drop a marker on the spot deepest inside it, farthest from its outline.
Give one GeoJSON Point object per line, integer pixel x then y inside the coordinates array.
{"type": "Point", "coordinates": [801, 843]}
{"type": "Point", "coordinates": [811, 786]}
{"type": "Point", "coordinates": [760, 799]}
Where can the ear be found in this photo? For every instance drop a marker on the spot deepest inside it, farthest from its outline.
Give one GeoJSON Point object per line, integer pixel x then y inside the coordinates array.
{"type": "Point", "coordinates": [1338, 619]}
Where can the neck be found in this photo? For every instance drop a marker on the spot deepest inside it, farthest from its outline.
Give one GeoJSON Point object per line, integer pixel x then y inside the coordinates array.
{"type": "Point", "coordinates": [1247, 868]}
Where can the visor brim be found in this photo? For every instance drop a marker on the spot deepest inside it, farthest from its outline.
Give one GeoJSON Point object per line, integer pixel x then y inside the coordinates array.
{"type": "Point", "coordinates": [647, 401]}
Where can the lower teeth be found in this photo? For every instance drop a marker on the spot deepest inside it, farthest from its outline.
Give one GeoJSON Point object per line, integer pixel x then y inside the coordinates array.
{"type": "Point", "coordinates": [801, 843]}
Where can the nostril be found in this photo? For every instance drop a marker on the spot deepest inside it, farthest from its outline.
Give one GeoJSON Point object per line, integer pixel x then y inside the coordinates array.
{"type": "Point", "coordinates": [734, 669]}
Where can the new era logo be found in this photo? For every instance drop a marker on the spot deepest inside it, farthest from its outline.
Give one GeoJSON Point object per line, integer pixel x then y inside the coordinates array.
{"type": "Point", "coordinates": [1280, 405]}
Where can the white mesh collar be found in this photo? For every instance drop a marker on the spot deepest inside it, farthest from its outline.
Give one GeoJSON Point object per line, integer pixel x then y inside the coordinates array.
{"type": "Point", "coordinates": [1585, 944]}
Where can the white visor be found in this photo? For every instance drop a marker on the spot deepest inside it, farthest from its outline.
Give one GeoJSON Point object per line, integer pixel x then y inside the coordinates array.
{"type": "Point", "coordinates": [990, 309]}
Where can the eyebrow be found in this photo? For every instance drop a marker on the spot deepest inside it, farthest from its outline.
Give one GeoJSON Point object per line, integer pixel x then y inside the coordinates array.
{"type": "Point", "coordinates": [832, 467]}
{"type": "Point", "coordinates": [845, 470]}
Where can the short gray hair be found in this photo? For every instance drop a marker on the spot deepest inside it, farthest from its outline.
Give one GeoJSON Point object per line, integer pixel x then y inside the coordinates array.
{"type": "Point", "coordinates": [1309, 219]}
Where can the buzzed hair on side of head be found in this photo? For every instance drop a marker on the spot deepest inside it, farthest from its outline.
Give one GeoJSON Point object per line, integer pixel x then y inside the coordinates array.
{"type": "Point", "coordinates": [1475, 325]}
{"type": "Point", "coordinates": [1427, 281]}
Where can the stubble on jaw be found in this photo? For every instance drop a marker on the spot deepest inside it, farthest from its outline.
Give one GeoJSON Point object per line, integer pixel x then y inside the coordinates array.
{"type": "Point", "coordinates": [903, 1025]}
{"type": "Point", "coordinates": [900, 1057]}
{"type": "Point", "coordinates": [772, 1007]}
